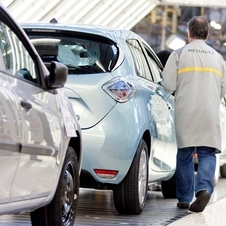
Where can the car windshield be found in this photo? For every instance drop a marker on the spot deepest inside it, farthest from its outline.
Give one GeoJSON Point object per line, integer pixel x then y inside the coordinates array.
{"type": "Point", "coordinates": [80, 55]}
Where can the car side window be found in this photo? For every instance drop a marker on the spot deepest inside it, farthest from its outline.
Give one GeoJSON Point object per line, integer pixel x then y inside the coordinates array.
{"type": "Point", "coordinates": [17, 60]}
{"type": "Point", "coordinates": [139, 59]}
{"type": "Point", "coordinates": [156, 72]}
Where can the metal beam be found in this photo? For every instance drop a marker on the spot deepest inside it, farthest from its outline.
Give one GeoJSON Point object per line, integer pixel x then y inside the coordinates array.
{"type": "Point", "coordinates": [123, 14]}
{"type": "Point", "coordinates": [196, 3]}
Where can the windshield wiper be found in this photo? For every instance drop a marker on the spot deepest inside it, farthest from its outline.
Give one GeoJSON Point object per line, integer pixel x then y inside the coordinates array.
{"type": "Point", "coordinates": [84, 69]}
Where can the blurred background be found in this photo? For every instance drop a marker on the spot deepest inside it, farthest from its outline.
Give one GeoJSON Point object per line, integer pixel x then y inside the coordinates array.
{"type": "Point", "coordinates": [162, 23]}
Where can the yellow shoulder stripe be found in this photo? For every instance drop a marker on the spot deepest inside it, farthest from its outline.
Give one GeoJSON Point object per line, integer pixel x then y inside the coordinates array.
{"type": "Point", "coordinates": [200, 69]}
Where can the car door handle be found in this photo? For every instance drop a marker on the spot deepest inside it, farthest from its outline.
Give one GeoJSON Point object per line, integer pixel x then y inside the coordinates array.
{"type": "Point", "coordinates": [159, 92]}
{"type": "Point", "coordinates": [25, 104]}
{"type": "Point", "coordinates": [169, 106]}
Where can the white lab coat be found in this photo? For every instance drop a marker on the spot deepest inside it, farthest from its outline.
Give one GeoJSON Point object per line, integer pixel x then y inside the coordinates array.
{"type": "Point", "coordinates": [197, 74]}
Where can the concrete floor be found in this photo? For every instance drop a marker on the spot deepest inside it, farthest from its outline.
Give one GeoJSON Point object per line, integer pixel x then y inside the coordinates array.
{"type": "Point", "coordinates": [96, 207]}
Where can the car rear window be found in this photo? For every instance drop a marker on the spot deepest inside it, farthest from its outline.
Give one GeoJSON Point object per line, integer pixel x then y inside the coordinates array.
{"type": "Point", "coordinates": [80, 55]}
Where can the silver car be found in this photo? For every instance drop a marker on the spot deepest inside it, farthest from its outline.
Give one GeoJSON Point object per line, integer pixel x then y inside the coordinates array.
{"type": "Point", "coordinates": [221, 157]}
{"type": "Point", "coordinates": [126, 117]}
{"type": "Point", "coordinates": [40, 138]}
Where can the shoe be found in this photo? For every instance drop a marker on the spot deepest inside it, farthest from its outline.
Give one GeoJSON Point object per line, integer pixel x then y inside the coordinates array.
{"type": "Point", "coordinates": [183, 205]}
{"type": "Point", "coordinates": [202, 198]}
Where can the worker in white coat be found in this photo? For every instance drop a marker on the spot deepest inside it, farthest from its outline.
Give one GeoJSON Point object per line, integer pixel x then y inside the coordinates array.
{"type": "Point", "coordinates": [197, 75]}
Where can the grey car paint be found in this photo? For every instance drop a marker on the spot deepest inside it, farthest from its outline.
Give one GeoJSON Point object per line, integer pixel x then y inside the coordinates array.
{"type": "Point", "coordinates": [33, 131]}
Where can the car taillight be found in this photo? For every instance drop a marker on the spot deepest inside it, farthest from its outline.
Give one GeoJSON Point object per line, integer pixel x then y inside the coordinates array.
{"type": "Point", "coordinates": [119, 89]}
{"type": "Point", "coordinates": [106, 174]}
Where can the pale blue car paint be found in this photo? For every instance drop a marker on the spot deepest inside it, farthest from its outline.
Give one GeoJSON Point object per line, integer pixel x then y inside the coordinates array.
{"type": "Point", "coordinates": [111, 131]}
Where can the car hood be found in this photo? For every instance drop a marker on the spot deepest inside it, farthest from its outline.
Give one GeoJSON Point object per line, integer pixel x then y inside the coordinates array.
{"type": "Point", "coordinates": [89, 101]}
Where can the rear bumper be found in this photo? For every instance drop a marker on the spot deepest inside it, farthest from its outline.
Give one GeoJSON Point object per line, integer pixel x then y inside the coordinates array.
{"type": "Point", "coordinates": [112, 143]}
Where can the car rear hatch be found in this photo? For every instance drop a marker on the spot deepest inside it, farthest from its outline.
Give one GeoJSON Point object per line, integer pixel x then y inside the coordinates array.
{"type": "Point", "coordinates": [90, 60]}
{"type": "Point", "coordinates": [90, 103]}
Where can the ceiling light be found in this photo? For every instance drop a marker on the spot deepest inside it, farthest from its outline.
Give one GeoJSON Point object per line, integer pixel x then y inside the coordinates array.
{"type": "Point", "coordinates": [175, 42]}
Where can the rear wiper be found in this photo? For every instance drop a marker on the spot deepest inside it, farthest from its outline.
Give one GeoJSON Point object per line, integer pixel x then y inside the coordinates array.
{"type": "Point", "coordinates": [84, 69]}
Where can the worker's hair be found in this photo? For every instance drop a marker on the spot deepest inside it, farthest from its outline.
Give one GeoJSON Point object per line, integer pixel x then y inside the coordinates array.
{"type": "Point", "coordinates": [198, 27]}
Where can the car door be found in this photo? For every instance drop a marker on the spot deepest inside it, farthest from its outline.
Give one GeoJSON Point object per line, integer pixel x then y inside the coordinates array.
{"type": "Point", "coordinates": [223, 131]}
{"type": "Point", "coordinates": [160, 108]}
{"type": "Point", "coordinates": [9, 130]}
{"type": "Point", "coordinates": [165, 122]}
{"type": "Point", "coordinates": [40, 143]}
{"type": "Point", "coordinates": [40, 130]}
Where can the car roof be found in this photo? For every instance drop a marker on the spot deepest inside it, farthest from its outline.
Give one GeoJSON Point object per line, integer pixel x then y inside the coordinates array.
{"type": "Point", "coordinates": [107, 32]}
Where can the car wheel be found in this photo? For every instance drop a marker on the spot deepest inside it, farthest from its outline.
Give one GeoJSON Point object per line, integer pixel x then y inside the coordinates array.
{"type": "Point", "coordinates": [62, 209]}
{"type": "Point", "coordinates": [223, 171]}
{"type": "Point", "coordinates": [131, 194]}
{"type": "Point", "coordinates": [169, 187]}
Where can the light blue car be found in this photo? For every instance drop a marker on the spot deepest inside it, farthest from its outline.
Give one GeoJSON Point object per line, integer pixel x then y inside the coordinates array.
{"type": "Point", "coordinates": [126, 117]}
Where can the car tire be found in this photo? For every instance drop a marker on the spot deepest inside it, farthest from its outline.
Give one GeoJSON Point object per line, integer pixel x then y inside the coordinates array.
{"type": "Point", "coordinates": [169, 187]}
{"type": "Point", "coordinates": [223, 171]}
{"type": "Point", "coordinates": [131, 194]}
{"type": "Point", "coordinates": [62, 209]}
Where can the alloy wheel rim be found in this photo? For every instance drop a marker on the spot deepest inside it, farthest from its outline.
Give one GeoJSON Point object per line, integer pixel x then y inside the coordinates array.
{"type": "Point", "coordinates": [67, 196]}
{"type": "Point", "coordinates": [142, 181]}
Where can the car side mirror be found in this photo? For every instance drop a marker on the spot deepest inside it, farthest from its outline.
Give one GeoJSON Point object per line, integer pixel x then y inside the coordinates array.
{"type": "Point", "coordinates": [58, 75]}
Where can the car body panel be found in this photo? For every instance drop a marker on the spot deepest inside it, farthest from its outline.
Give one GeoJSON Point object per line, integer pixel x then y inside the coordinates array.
{"type": "Point", "coordinates": [83, 91]}
{"type": "Point", "coordinates": [114, 147]}
{"type": "Point", "coordinates": [222, 160]}
{"type": "Point", "coordinates": [9, 139]}
{"type": "Point", "coordinates": [40, 143]}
